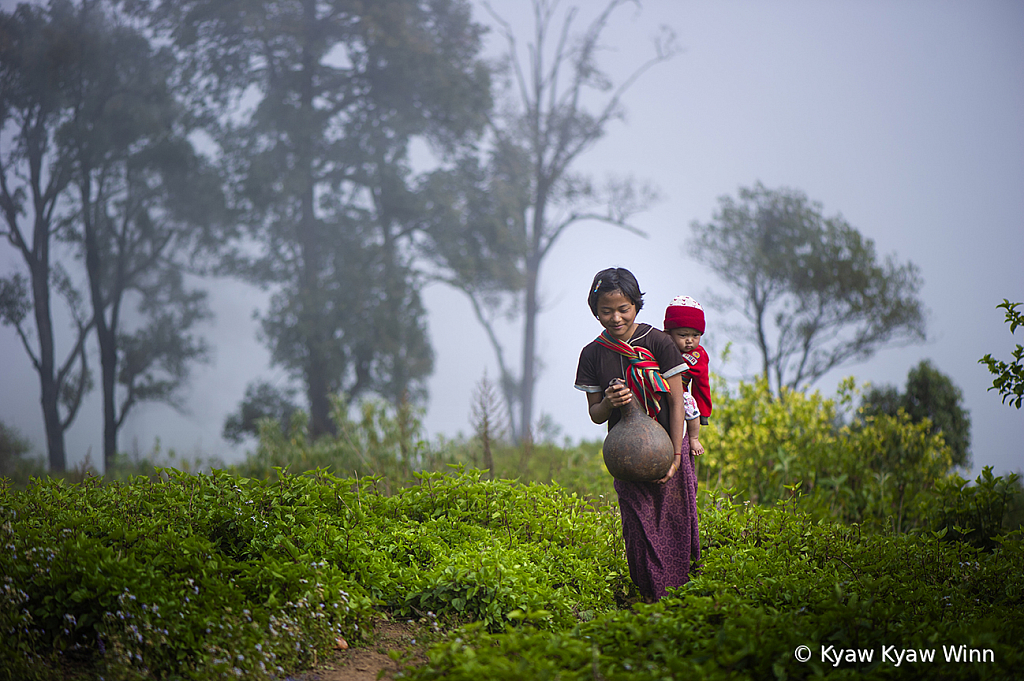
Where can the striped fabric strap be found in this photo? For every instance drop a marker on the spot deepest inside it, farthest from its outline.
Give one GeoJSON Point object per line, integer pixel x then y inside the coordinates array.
{"type": "Point", "coordinates": [643, 376]}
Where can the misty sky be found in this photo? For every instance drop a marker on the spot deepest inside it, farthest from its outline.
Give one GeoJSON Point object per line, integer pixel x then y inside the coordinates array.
{"type": "Point", "coordinates": [907, 118]}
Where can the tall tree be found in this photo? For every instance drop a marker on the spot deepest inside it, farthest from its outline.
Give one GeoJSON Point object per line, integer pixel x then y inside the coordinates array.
{"type": "Point", "coordinates": [476, 216]}
{"type": "Point", "coordinates": [322, 173]}
{"type": "Point", "coordinates": [929, 394]}
{"type": "Point", "coordinates": [145, 207]}
{"type": "Point", "coordinates": [811, 288]}
{"type": "Point", "coordinates": [35, 67]}
{"type": "Point", "coordinates": [494, 252]}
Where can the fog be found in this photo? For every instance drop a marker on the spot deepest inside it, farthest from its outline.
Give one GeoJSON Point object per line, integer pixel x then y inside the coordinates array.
{"type": "Point", "coordinates": [907, 118]}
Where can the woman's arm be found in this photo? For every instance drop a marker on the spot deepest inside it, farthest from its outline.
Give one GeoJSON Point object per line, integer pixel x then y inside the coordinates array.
{"type": "Point", "coordinates": [600, 405]}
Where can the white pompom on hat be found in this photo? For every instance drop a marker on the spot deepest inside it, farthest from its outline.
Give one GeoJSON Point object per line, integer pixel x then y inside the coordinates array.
{"type": "Point", "coordinates": [684, 311]}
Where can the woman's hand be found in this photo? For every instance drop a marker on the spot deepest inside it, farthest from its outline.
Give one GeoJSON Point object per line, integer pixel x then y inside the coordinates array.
{"type": "Point", "coordinates": [672, 470]}
{"type": "Point", "coordinates": [617, 394]}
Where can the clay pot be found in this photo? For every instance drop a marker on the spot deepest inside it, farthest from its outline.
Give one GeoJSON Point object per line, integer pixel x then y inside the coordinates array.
{"type": "Point", "coordinates": [637, 449]}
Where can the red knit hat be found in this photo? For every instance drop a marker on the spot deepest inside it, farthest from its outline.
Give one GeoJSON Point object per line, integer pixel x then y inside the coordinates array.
{"type": "Point", "coordinates": [684, 311]}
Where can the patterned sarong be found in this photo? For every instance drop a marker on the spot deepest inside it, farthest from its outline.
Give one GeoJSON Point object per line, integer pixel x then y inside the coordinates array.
{"type": "Point", "coordinates": [659, 525]}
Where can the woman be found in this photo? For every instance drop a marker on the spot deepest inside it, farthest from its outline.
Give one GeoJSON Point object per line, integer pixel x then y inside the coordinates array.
{"type": "Point", "coordinates": [659, 519]}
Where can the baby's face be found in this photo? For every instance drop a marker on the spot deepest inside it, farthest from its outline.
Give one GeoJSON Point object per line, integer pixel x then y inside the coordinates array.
{"type": "Point", "coordinates": [685, 338]}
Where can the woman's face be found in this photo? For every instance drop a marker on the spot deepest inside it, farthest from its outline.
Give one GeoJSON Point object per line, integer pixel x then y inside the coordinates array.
{"type": "Point", "coordinates": [616, 313]}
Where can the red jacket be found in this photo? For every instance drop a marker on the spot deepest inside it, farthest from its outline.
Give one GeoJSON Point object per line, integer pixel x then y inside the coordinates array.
{"type": "Point", "coordinates": [699, 381]}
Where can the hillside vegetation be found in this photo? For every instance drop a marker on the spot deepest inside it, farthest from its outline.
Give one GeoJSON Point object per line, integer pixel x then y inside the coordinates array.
{"type": "Point", "coordinates": [257, 572]}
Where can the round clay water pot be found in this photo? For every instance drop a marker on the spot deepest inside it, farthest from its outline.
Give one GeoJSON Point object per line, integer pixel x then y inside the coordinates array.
{"type": "Point", "coordinates": [637, 448]}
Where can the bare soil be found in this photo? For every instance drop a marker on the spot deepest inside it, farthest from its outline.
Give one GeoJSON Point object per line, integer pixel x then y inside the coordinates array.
{"type": "Point", "coordinates": [370, 662]}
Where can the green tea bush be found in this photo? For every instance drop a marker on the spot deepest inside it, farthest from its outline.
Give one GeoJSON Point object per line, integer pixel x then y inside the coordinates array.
{"type": "Point", "coordinates": [758, 444]}
{"type": "Point", "coordinates": [976, 513]}
{"type": "Point", "coordinates": [466, 548]}
{"type": "Point", "coordinates": [214, 576]}
{"type": "Point", "coordinates": [577, 467]}
{"type": "Point", "coordinates": [873, 471]}
{"type": "Point", "coordinates": [185, 577]}
{"type": "Point", "coordinates": [383, 441]}
{"type": "Point", "coordinates": [773, 579]}
{"type": "Point", "coordinates": [389, 442]}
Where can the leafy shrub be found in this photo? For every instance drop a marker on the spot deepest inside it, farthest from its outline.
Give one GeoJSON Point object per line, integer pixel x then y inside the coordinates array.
{"type": "Point", "coordinates": [876, 470]}
{"type": "Point", "coordinates": [976, 513]}
{"type": "Point", "coordinates": [191, 575]}
{"type": "Point", "coordinates": [211, 576]}
{"type": "Point", "coordinates": [774, 579]}
{"type": "Point", "coordinates": [14, 464]}
{"type": "Point", "coordinates": [759, 444]}
{"type": "Point", "coordinates": [481, 550]}
{"type": "Point", "coordinates": [383, 442]}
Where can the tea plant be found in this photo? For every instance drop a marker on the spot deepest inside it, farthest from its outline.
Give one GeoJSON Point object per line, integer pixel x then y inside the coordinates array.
{"type": "Point", "coordinates": [213, 576]}
{"type": "Point", "coordinates": [190, 574]}
{"type": "Point", "coordinates": [210, 576]}
{"type": "Point", "coordinates": [976, 513]}
{"type": "Point", "coordinates": [875, 468]}
{"type": "Point", "coordinates": [773, 580]}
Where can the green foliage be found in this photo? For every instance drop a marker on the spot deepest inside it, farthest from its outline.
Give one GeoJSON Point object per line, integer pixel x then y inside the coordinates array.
{"type": "Point", "coordinates": [492, 551]}
{"type": "Point", "coordinates": [876, 470]}
{"type": "Point", "coordinates": [190, 575]}
{"type": "Point", "coordinates": [932, 395]}
{"type": "Point", "coordinates": [815, 294]}
{"type": "Point", "coordinates": [211, 575]}
{"type": "Point", "coordinates": [197, 576]}
{"type": "Point", "coordinates": [1009, 376]}
{"type": "Point", "coordinates": [384, 442]}
{"type": "Point", "coordinates": [772, 580]}
{"type": "Point", "coordinates": [333, 94]}
{"type": "Point", "coordinates": [262, 401]}
{"type": "Point", "coordinates": [758, 444]}
{"type": "Point", "coordinates": [976, 513]}
{"type": "Point", "coordinates": [13, 462]}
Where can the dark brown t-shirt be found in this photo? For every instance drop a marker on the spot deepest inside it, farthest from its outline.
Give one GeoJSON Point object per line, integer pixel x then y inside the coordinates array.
{"type": "Point", "coordinates": [599, 365]}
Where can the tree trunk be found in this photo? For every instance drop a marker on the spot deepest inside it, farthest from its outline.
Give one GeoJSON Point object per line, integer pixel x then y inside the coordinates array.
{"type": "Point", "coordinates": [529, 353]}
{"type": "Point", "coordinates": [105, 333]}
{"type": "Point", "coordinates": [49, 390]}
{"type": "Point", "coordinates": [394, 287]}
{"type": "Point", "coordinates": [533, 261]}
{"type": "Point", "coordinates": [318, 390]}
{"type": "Point", "coordinates": [762, 338]}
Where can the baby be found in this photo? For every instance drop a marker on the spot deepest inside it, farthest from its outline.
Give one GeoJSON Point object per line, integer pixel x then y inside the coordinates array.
{"type": "Point", "coordinates": [684, 323]}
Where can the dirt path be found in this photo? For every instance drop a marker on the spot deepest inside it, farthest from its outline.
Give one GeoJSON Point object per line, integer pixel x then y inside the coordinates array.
{"type": "Point", "coordinates": [365, 663]}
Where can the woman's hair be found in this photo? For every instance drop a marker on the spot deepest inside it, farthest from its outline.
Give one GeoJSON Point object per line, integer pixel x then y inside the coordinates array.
{"type": "Point", "coordinates": [615, 279]}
